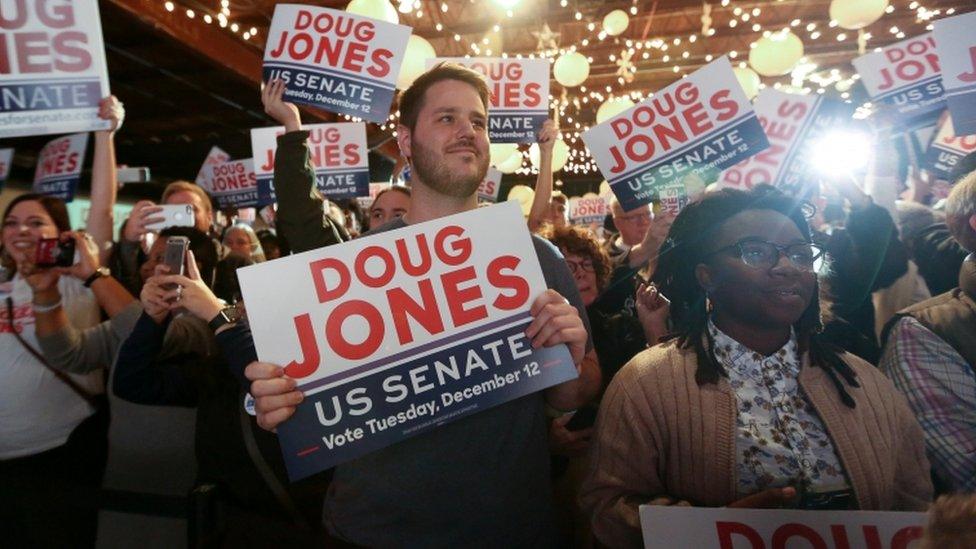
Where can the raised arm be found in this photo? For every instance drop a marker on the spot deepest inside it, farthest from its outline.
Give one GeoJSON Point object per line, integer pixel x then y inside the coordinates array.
{"type": "Point", "coordinates": [543, 183]}
{"type": "Point", "coordinates": [104, 183]}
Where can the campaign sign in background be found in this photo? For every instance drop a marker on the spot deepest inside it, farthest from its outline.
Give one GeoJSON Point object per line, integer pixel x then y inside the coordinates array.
{"type": "Point", "coordinates": [905, 78]}
{"type": "Point", "coordinates": [53, 65]}
{"type": "Point", "coordinates": [666, 527]}
{"type": "Point", "coordinates": [946, 149]}
{"type": "Point", "coordinates": [365, 202]}
{"type": "Point", "coordinates": [342, 62]}
{"type": "Point", "coordinates": [488, 189]}
{"type": "Point", "coordinates": [396, 333]}
{"type": "Point", "coordinates": [6, 157]}
{"type": "Point", "coordinates": [59, 166]}
{"type": "Point", "coordinates": [955, 38]}
{"type": "Point", "coordinates": [339, 157]}
{"type": "Point", "coordinates": [793, 124]}
{"type": "Point", "coordinates": [583, 211]}
{"type": "Point", "coordinates": [700, 124]}
{"type": "Point", "coordinates": [215, 156]}
{"type": "Point", "coordinates": [519, 95]}
{"type": "Point", "coordinates": [232, 184]}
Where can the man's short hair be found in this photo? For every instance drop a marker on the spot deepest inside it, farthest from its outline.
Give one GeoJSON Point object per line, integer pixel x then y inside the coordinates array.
{"type": "Point", "coordinates": [960, 207]}
{"type": "Point", "coordinates": [412, 99]}
{"type": "Point", "coordinates": [394, 188]}
{"type": "Point", "coordinates": [181, 186]}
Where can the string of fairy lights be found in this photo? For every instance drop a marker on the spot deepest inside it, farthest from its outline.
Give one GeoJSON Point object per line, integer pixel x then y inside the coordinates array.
{"type": "Point", "coordinates": [681, 54]}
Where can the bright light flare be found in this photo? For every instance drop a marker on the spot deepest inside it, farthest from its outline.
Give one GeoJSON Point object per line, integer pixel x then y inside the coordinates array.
{"type": "Point", "coordinates": [841, 152]}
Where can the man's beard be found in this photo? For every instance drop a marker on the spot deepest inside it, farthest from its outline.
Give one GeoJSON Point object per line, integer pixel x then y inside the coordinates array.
{"type": "Point", "coordinates": [438, 176]}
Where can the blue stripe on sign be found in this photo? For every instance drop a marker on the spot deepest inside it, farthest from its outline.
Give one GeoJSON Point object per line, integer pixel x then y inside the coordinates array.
{"type": "Point", "coordinates": [329, 72]}
{"type": "Point", "coordinates": [678, 152]}
{"type": "Point", "coordinates": [918, 84]}
{"type": "Point", "coordinates": [415, 353]}
{"type": "Point", "coordinates": [49, 96]}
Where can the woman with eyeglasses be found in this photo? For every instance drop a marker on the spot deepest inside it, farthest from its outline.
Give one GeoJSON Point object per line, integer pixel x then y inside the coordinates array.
{"type": "Point", "coordinates": [746, 405]}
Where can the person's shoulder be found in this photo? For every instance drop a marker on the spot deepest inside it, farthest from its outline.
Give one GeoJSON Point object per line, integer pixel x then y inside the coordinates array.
{"type": "Point", "coordinates": [663, 362]}
{"type": "Point", "coordinates": [545, 250]}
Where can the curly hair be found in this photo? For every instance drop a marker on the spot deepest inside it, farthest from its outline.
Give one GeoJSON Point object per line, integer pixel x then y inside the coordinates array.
{"type": "Point", "coordinates": [689, 241]}
{"type": "Point", "coordinates": [571, 239]}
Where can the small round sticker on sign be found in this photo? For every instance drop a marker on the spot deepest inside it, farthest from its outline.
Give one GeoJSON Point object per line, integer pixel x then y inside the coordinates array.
{"type": "Point", "coordinates": [249, 405]}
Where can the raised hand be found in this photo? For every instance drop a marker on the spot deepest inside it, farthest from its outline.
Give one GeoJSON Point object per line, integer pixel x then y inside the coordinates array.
{"type": "Point", "coordinates": [286, 114]}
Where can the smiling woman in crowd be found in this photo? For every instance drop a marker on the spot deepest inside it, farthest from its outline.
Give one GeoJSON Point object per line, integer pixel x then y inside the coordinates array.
{"type": "Point", "coordinates": [747, 406]}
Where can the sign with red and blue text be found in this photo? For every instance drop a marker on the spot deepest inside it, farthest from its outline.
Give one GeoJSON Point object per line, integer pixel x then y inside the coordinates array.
{"type": "Point", "coordinates": [59, 166]}
{"type": "Point", "coordinates": [394, 334]}
{"type": "Point", "coordinates": [793, 124]}
{"type": "Point", "coordinates": [947, 148]}
{"type": "Point", "coordinates": [700, 124]}
{"type": "Point", "coordinates": [955, 39]}
{"type": "Point", "coordinates": [52, 63]}
{"type": "Point", "coordinates": [905, 78]}
{"type": "Point", "coordinates": [519, 95]}
{"type": "Point", "coordinates": [488, 189]}
{"type": "Point", "coordinates": [232, 184]}
{"type": "Point", "coordinates": [339, 157]}
{"type": "Point", "coordinates": [339, 61]}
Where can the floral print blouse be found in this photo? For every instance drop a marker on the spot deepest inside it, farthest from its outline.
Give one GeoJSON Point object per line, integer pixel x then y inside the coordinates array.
{"type": "Point", "coordinates": [780, 439]}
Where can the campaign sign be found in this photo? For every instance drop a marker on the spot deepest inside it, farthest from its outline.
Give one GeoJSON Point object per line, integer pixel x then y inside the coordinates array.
{"type": "Point", "coordinates": [342, 62]}
{"type": "Point", "coordinates": [519, 95]}
{"type": "Point", "coordinates": [699, 124]}
{"type": "Point", "coordinates": [53, 66]}
{"type": "Point", "coordinates": [488, 189]}
{"type": "Point", "coordinates": [792, 123]}
{"type": "Point", "coordinates": [947, 148]}
{"type": "Point", "coordinates": [59, 166]}
{"type": "Point", "coordinates": [365, 202]}
{"type": "Point", "coordinates": [339, 157]}
{"type": "Point", "coordinates": [6, 158]}
{"type": "Point", "coordinates": [232, 184]}
{"type": "Point", "coordinates": [956, 46]}
{"type": "Point", "coordinates": [673, 197]}
{"type": "Point", "coordinates": [214, 157]}
{"type": "Point", "coordinates": [905, 78]}
{"type": "Point", "coordinates": [666, 527]}
{"type": "Point", "coordinates": [394, 334]}
{"type": "Point", "coordinates": [583, 211]}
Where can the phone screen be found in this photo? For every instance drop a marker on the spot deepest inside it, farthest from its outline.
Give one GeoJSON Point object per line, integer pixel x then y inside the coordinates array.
{"type": "Point", "coordinates": [175, 256]}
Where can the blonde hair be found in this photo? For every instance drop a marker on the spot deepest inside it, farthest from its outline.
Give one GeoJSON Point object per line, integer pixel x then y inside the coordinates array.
{"type": "Point", "coordinates": [186, 186]}
{"type": "Point", "coordinates": [952, 523]}
{"type": "Point", "coordinates": [257, 252]}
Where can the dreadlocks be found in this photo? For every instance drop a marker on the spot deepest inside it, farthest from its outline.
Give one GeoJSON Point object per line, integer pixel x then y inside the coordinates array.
{"type": "Point", "coordinates": [689, 241]}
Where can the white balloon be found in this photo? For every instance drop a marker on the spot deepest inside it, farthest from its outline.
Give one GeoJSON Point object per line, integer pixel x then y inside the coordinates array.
{"type": "Point", "coordinates": [776, 54]}
{"type": "Point", "coordinates": [605, 188]}
{"type": "Point", "coordinates": [590, 195]}
{"type": "Point", "coordinates": [414, 61]}
{"type": "Point", "coordinates": [524, 196]}
{"type": "Point", "coordinates": [560, 155]}
{"type": "Point", "coordinates": [612, 107]}
{"type": "Point", "coordinates": [500, 152]}
{"type": "Point", "coordinates": [616, 22]}
{"type": "Point", "coordinates": [377, 9]}
{"type": "Point", "coordinates": [511, 163]}
{"type": "Point", "coordinates": [748, 79]}
{"type": "Point", "coordinates": [857, 14]}
{"type": "Point", "coordinates": [571, 69]}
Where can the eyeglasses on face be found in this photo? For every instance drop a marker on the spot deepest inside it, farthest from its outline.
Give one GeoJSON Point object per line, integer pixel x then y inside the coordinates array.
{"type": "Point", "coordinates": [586, 265]}
{"type": "Point", "coordinates": [762, 254]}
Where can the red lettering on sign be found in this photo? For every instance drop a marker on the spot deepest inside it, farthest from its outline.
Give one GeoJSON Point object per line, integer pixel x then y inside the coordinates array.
{"type": "Point", "coordinates": [725, 530]}
{"type": "Point", "coordinates": [337, 340]}
{"type": "Point", "coordinates": [794, 530]}
{"type": "Point", "coordinates": [337, 41]}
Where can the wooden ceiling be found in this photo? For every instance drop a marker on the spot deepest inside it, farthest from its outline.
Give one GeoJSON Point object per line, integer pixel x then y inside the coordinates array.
{"type": "Point", "coordinates": [188, 85]}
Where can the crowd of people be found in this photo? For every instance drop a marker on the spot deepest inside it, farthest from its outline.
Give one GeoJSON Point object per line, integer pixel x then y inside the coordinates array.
{"type": "Point", "coordinates": [744, 352]}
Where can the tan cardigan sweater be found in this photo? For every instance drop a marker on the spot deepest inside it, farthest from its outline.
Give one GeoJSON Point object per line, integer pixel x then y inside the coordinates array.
{"type": "Point", "coordinates": [659, 433]}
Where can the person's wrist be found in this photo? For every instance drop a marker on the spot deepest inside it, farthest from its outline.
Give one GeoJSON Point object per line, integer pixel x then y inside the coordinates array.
{"type": "Point", "coordinates": [293, 125]}
{"type": "Point", "coordinates": [211, 309]}
{"type": "Point", "coordinates": [45, 298]}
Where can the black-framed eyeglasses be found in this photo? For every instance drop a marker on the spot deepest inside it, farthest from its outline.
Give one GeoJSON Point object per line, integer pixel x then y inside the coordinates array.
{"type": "Point", "coordinates": [586, 265]}
{"type": "Point", "coordinates": [761, 254]}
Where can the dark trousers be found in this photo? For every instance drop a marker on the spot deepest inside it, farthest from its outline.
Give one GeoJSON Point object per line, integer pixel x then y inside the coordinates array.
{"type": "Point", "coordinates": [51, 499]}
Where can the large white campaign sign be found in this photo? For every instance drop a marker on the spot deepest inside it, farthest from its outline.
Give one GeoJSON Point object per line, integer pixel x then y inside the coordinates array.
{"type": "Point", "coordinates": [700, 124]}
{"type": "Point", "coordinates": [955, 38]}
{"type": "Point", "coordinates": [665, 527]}
{"type": "Point", "coordinates": [232, 184]}
{"type": "Point", "coordinates": [342, 62]}
{"type": "Point", "coordinates": [905, 78]}
{"type": "Point", "coordinates": [6, 157]}
{"type": "Point", "coordinates": [792, 124]}
{"type": "Point", "coordinates": [339, 157]}
{"type": "Point", "coordinates": [59, 166]}
{"type": "Point", "coordinates": [214, 157]}
{"type": "Point", "coordinates": [399, 332]}
{"type": "Point", "coordinates": [52, 63]}
{"type": "Point", "coordinates": [519, 95]}
{"type": "Point", "coordinates": [488, 189]}
{"type": "Point", "coordinates": [947, 148]}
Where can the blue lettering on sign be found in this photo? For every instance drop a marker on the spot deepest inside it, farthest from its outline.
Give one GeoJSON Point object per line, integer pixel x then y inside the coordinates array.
{"type": "Point", "coordinates": [334, 184]}
{"type": "Point", "coordinates": [63, 188]}
{"type": "Point", "coordinates": [20, 96]}
{"type": "Point", "coordinates": [392, 402]}
{"type": "Point", "coordinates": [334, 91]}
{"type": "Point", "coordinates": [921, 97]}
{"type": "Point", "coordinates": [706, 155]}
